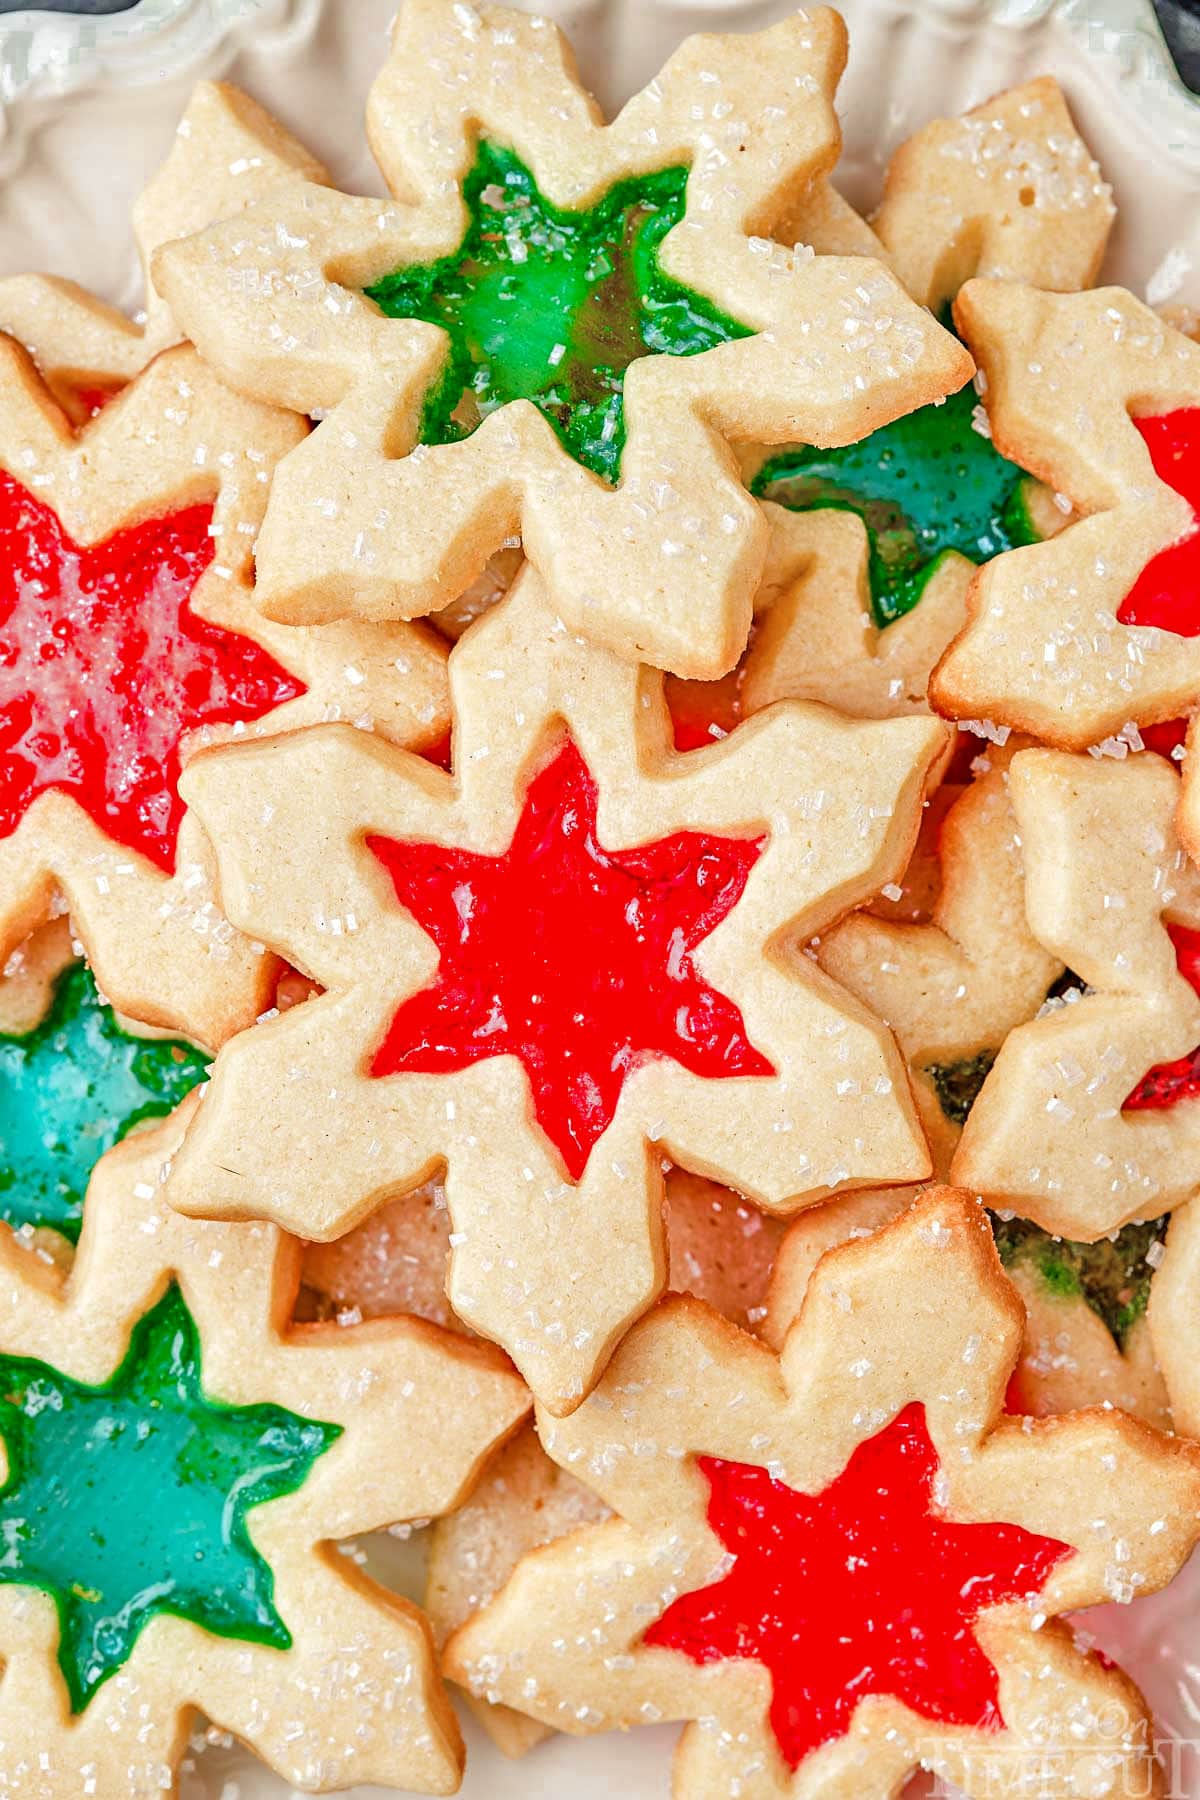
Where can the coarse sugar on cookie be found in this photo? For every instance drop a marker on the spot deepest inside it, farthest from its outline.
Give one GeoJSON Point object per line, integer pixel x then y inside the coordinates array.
{"type": "Point", "coordinates": [227, 152]}
{"type": "Point", "coordinates": [939, 1642]}
{"type": "Point", "coordinates": [128, 637]}
{"type": "Point", "coordinates": [180, 1457]}
{"type": "Point", "coordinates": [952, 987]}
{"type": "Point", "coordinates": [555, 329]}
{"type": "Point", "coordinates": [1089, 1117]}
{"type": "Point", "coordinates": [1087, 1340]}
{"type": "Point", "coordinates": [573, 866]}
{"type": "Point", "coordinates": [1008, 190]}
{"type": "Point", "coordinates": [1098, 630]}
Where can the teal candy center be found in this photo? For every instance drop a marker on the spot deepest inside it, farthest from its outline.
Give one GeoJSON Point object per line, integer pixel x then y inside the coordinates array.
{"type": "Point", "coordinates": [130, 1499]}
{"type": "Point", "coordinates": [925, 484]}
{"type": "Point", "coordinates": [552, 306]}
{"type": "Point", "coordinates": [69, 1090]}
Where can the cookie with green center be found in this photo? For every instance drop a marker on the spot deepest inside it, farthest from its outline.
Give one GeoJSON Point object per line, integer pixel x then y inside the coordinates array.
{"type": "Point", "coordinates": [584, 310]}
{"type": "Point", "coordinates": [178, 1458]}
{"type": "Point", "coordinates": [1089, 1117]}
{"type": "Point", "coordinates": [69, 1090]}
{"type": "Point", "coordinates": [572, 866]}
{"type": "Point", "coordinates": [720, 1593]}
{"type": "Point", "coordinates": [929, 484]}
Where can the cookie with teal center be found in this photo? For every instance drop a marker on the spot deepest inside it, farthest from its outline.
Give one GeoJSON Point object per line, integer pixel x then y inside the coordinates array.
{"type": "Point", "coordinates": [926, 484]}
{"type": "Point", "coordinates": [131, 1499]}
{"type": "Point", "coordinates": [70, 1089]}
{"type": "Point", "coordinates": [548, 305]}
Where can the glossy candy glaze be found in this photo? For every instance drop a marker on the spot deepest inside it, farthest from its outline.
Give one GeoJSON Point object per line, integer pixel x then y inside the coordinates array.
{"type": "Point", "coordinates": [927, 483]}
{"type": "Point", "coordinates": [861, 1589]}
{"type": "Point", "coordinates": [69, 1090]}
{"type": "Point", "coordinates": [552, 306]}
{"type": "Point", "coordinates": [131, 1499]}
{"type": "Point", "coordinates": [104, 668]}
{"type": "Point", "coordinates": [573, 958]}
{"type": "Point", "coordinates": [1167, 592]}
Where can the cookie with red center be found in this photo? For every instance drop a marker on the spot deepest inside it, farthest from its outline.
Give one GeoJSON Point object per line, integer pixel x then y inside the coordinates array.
{"type": "Point", "coordinates": [1073, 639]}
{"type": "Point", "coordinates": [552, 968]}
{"type": "Point", "coordinates": [177, 1458]}
{"type": "Point", "coordinates": [721, 1249]}
{"type": "Point", "coordinates": [128, 636]}
{"type": "Point", "coordinates": [553, 320]}
{"type": "Point", "coordinates": [843, 1561]}
{"type": "Point", "coordinates": [1089, 1117]}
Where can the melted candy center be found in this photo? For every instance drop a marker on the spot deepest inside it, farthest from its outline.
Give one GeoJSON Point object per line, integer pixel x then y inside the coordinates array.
{"type": "Point", "coordinates": [862, 1589]}
{"type": "Point", "coordinates": [1167, 592]}
{"type": "Point", "coordinates": [104, 668]}
{"type": "Point", "coordinates": [130, 1499]}
{"type": "Point", "coordinates": [552, 306]}
{"type": "Point", "coordinates": [576, 959]}
{"type": "Point", "coordinates": [69, 1090]}
{"type": "Point", "coordinates": [925, 484]}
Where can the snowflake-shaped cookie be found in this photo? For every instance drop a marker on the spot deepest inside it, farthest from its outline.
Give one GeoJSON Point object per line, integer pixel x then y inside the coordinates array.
{"type": "Point", "coordinates": [1090, 1115]}
{"type": "Point", "coordinates": [129, 635]}
{"type": "Point", "coordinates": [720, 1249]}
{"type": "Point", "coordinates": [1074, 638]}
{"type": "Point", "coordinates": [227, 153]}
{"type": "Point", "coordinates": [178, 1460]}
{"type": "Point", "coordinates": [952, 988]}
{"type": "Point", "coordinates": [839, 1563]}
{"type": "Point", "coordinates": [1086, 1341]}
{"type": "Point", "coordinates": [555, 329]}
{"type": "Point", "coordinates": [552, 970]}
{"type": "Point", "coordinates": [1008, 190]}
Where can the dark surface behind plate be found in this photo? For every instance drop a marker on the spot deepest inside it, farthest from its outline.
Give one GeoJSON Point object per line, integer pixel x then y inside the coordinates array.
{"type": "Point", "coordinates": [1180, 20]}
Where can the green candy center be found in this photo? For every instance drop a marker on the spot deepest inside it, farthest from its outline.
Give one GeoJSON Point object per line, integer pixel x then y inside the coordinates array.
{"type": "Point", "coordinates": [1113, 1276]}
{"type": "Point", "coordinates": [925, 484]}
{"type": "Point", "coordinates": [130, 1499]}
{"type": "Point", "coordinates": [69, 1090]}
{"type": "Point", "coordinates": [552, 306]}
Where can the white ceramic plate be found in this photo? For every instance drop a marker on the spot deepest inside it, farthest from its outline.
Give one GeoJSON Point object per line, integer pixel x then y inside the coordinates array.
{"type": "Point", "coordinates": [87, 112]}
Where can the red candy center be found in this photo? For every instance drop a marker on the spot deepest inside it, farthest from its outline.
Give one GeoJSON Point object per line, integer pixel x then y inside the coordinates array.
{"type": "Point", "coordinates": [1167, 1083]}
{"type": "Point", "coordinates": [1167, 592]}
{"type": "Point", "coordinates": [104, 668]}
{"type": "Point", "coordinates": [862, 1589]}
{"type": "Point", "coordinates": [574, 958]}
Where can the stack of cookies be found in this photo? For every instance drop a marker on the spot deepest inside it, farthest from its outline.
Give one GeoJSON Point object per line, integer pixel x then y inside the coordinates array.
{"type": "Point", "coordinates": [601, 944]}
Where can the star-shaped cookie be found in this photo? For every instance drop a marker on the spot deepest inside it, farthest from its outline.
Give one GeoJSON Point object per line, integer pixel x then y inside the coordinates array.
{"type": "Point", "coordinates": [552, 969]}
{"type": "Point", "coordinates": [555, 329]}
{"type": "Point", "coordinates": [1089, 1117]}
{"type": "Point", "coordinates": [179, 1459]}
{"type": "Point", "coordinates": [843, 1562]}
